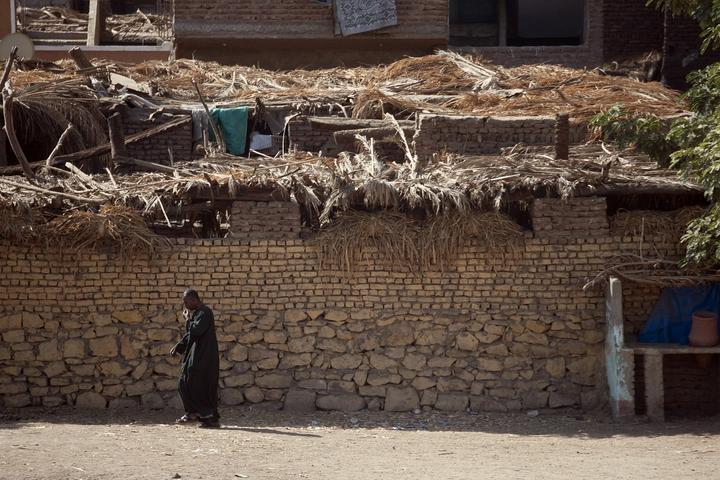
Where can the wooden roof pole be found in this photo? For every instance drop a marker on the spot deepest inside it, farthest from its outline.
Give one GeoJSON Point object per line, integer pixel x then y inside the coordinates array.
{"type": "Point", "coordinates": [96, 22]}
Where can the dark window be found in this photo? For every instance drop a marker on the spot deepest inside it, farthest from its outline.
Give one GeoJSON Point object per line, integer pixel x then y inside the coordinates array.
{"type": "Point", "coordinates": [474, 22]}
{"type": "Point", "coordinates": [546, 22]}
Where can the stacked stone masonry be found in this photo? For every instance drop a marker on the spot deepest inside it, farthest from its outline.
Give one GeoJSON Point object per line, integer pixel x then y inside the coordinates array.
{"type": "Point", "coordinates": [498, 331]}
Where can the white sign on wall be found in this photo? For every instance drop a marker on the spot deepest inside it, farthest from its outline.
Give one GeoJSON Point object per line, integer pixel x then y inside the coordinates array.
{"type": "Point", "coordinates": [358, 16]}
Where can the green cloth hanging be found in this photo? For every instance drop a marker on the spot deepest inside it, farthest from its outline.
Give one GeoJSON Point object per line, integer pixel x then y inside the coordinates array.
{"type": "Point", "coordinates": [232, 123]}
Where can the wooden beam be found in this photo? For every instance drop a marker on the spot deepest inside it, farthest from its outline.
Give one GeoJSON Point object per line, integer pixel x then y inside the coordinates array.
{"type": "Point", "coordinates": [96, 22]}
{"type": "Point", "coordinates": [33, 188]}
{"type": "Point", "coordinates": [216, 129]}
{"type": "Point", "coordinates": [562, 136]}
{"type": "Point", "coordinates": [146, 165]}
{"type": "Point", "coordinates": [340, 123]}
{"type": "Point", "coordinates": [379, 133]}
{"type": "Point", "coordinates": [81, 61]}
{"type": "Point", "coordinates": [117, 136]}
{"type": "Point", "coordinates": [59, 145]}
{"type": "Point", "coordinates": [3, 150]}
{"type": "Point", "coordinates": [7, 96]}
{"type": "Point", "coordinates": [502, 23]}
{"type": "Point", "coordinates": [8, 67]}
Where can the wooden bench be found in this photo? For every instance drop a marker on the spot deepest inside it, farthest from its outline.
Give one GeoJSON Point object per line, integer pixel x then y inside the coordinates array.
{"type": "Point", "coordinates": [620, 362]}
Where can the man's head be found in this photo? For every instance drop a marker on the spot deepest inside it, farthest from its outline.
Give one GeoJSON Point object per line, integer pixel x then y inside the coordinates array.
{"type": "Point", "coordinates": [191, 299]}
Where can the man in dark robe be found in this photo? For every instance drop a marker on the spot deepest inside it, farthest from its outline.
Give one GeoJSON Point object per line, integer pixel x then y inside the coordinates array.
{"type": "Point", "coordinates": [198, 385]}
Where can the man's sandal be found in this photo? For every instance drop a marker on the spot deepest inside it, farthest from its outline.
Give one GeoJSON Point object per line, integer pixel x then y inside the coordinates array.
{"type": "Point", "coordinates": [187, 418]}
{"type": "Point", "coordinates": [209, 423]}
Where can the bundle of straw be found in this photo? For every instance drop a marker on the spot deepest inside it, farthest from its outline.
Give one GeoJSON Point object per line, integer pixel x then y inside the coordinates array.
{"type": "Point", "coordinates": [112, 228]}
{"type": "Point", "coordinates": [20, 225]}
{"type": "Point", "coordinates": [359, 237]}
{"type": "Point", "coordinates": [670, 225]}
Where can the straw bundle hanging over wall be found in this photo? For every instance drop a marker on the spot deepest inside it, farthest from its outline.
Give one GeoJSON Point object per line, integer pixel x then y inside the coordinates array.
{"type": "Point", "coordinates": [112, 228]}
{"type": "Point", "coordinates": [356, 237]}
{"type": "Point", "coordinates": [670, 225]}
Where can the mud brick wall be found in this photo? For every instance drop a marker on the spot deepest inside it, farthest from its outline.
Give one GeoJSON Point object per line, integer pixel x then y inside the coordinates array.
{"type": "Point", "coordinates": [155, 149]}
{"type": "Point", "coordinates": [631, 29]}
{"type": "Point", "coordinates": [306, 138]}
{"type": "Point", "coordinates": [298, 19]}
{"type": "Point", "coordinates": [577, 216]}
{"type": "Point", "coordinates": [472, 135]}
{"type": "Point", "coordinates": [497, 331]}
{"type": "Point", "coordinates": [264, 221]}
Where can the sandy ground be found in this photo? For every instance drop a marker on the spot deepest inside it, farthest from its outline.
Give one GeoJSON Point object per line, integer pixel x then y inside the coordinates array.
{"type": "Point", "coordinates": [255, 444]}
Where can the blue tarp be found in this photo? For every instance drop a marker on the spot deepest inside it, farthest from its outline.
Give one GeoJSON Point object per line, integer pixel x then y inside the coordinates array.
{"type": "Point", "coordinates": [232, 123]}
{"type": "Point", "coordinates": [671, 318]}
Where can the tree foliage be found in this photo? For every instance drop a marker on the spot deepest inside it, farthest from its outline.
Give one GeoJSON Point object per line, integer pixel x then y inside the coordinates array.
{"type": "Point", "coordinates": [690, 144]}
{"type": "Point", "coordinates": [706, 12]}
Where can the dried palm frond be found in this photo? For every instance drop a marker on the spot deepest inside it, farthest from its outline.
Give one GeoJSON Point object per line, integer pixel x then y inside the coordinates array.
{"type": "Point", "coordinates": [364, 237]}
{"type": "Point", "coordinates": [670, 224]}
{"type": "Point", "coordinates": [112, 228]}
{"type": "Point", "coordinates": [43, 112]}
{"type": "Point", "coordinates": [657, 272]}
{"type": "Point", "coordinates": [446, 234]}
{"type": "Point", "coordinates": [20, 225]}
{"type": "Point", "coordinates": [357, 237]}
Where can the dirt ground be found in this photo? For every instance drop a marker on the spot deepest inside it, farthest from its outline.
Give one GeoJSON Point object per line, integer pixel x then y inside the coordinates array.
{"type": "Point", "coordinates": [256, 444]}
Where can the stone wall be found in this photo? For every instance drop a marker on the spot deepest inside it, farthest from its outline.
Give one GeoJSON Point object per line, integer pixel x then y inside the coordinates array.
{"type": "Point", "coordinates": [472, 135]}
{"type": "Point", "coordinates": [497, 331]}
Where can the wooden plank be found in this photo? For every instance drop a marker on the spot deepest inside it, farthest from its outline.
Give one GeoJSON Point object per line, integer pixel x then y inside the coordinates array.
{"type": "Point", "coordinates": [654, 387]}
{"type": "Point", "coordinates": [340, 123]}
{"type": "Point", "coordinates": [81, 61]}
{"type": "Point", "coordinates": [96, 22]}
{"type": "Point", "coordinates": [670, 349]}
{"type": "Point", "coordinates": [57, 35]}
{"type": "Point", "coordinates": [117, 135]}
{"type": "Point", "coordinates": [380, 133]}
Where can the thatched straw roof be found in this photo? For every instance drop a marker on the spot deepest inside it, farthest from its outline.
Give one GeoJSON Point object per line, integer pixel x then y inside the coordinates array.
{"type": "Point", "coordinates": [325, 187]}
{"type": "Point", "coordinates": [446, 82]}
{"type": "Point", "coordinates": [84, 210]}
